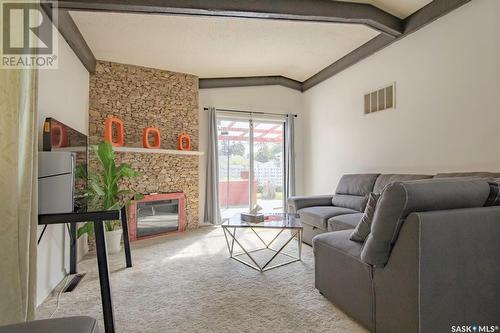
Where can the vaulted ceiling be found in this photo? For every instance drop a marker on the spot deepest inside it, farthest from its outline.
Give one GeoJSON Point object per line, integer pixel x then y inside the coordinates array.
{"type": "Point", "coordinates": [226, 42]}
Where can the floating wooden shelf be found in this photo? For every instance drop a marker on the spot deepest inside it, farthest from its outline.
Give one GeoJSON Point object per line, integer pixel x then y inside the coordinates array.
{"type": "Point", "coordinates": [156, 151]}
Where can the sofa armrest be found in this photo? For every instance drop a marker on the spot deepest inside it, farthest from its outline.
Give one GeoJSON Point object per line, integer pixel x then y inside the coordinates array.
{"type": "Point", "coordinates": [443, 271]}
{"type": "Point", "coordinates": [296, 203]}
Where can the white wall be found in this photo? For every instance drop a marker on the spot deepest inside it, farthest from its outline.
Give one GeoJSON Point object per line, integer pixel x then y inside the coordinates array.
{"type": "Point", "coordinates": [275, 99]}
{"type": "Point", "coordinates": [448, 104]}
{"type": "Point", "coordinates": [63, 94]}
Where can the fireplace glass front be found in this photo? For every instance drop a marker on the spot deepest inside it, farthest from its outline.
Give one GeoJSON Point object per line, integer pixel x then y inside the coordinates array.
{"type": "Point", "coordinates": [156, 217]}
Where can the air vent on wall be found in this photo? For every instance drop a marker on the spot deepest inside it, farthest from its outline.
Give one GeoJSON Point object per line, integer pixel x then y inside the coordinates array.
{"type": "Point", "coordinates": [380, 99]}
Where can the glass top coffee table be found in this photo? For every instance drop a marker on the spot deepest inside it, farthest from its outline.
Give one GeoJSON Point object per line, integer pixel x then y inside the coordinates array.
{"type": "Point", "coordinates": [280, 221]}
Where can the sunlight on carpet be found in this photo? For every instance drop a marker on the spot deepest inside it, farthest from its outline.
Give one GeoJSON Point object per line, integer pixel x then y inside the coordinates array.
{"type": "Point", "coordinates": [187, 283]}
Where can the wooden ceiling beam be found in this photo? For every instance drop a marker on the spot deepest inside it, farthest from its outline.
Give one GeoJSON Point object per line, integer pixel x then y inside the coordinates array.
{"type": "Point", "coordinates": [295, 10]}
{"type": "Point", "coordinates": [70, 32]}
{"type": "Point", "coordinates": [412, 23]}
{"type": "Point", "coordinates": [249, 81]}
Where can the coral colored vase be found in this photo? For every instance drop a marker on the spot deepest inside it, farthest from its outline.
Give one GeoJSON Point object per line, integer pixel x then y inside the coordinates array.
{"type": "Point", "coordinates": [108, 131]}
{"type": "Point", "coordinates": [184, 142]}
{"type": "Point", "coordinates": [156, 137]}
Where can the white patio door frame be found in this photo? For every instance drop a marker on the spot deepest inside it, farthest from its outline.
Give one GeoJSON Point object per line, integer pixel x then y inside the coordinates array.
{"type": "Point", "coordinates": [251, 118]}
{"type": "Point", "coordinates": [251, 177]}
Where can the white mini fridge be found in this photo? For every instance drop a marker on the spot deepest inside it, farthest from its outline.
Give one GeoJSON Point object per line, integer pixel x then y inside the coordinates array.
{"type": "Point", "coordinates": [56, 182]}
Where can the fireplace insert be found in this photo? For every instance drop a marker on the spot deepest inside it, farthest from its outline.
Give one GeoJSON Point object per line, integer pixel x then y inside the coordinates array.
{"type": "Point", "coordinates": [157, 214]}
{"type": "Point", "coordinates": [156, 217]}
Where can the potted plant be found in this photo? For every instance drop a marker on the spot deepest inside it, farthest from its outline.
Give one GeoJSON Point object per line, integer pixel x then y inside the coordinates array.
{"type": "Point", "coordinates": [103, 192]}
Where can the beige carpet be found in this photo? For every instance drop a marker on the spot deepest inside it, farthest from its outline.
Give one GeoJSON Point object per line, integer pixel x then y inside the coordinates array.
{"type": "Point", "coordinates": [187, 283]}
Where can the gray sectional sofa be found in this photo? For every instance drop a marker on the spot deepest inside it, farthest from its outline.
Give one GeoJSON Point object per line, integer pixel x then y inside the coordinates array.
{"type": "Point", "coordinates": [430, 262]}
{"type": "Point", "coordinates": [342, 210]}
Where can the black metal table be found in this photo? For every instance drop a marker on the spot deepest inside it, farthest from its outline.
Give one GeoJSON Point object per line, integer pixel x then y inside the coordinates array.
{"type": "Point", "coordinates": [98, 219]}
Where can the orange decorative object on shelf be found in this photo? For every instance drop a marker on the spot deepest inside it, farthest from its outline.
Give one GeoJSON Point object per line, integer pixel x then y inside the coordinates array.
{"type": "Point", "coordinates": [59, 136]}
{"type": "Point", "coordinates": [184, 142]}
{"type": "Point", "coordinates": [108, 131]}
{"type": "Point", "coordinates": [156, 137]}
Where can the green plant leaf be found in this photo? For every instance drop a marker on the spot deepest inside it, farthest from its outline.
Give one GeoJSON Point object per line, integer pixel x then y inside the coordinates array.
{"type": "Point", "coordinates": [111, 225]}
{"type": "Point", "coordinates": [87, 228]}
{"type": "Point", "coordinates": [94, 201]}
{"type": "Point", "coordinates": [106, 156]}
{"type": "Point", "coordinates": [116, 205]}
{"type": "Point", "coordinates": [103, 186]}
{"type": "Point", "coordinates": [105, 153]}
{"type": "Point", "coordinates": [81, 171]}
{"type": "Point", "coordinates": [138, 196]}
{"type": "Point", "coordinates": [125, 170]}
{"type": "Point", "coordinates": [122, 171]}
{"type": "Point", "coordinates": [96, 188]}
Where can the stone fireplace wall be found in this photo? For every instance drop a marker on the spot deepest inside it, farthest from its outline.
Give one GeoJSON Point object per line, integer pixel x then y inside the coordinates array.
{"type": "Point", "coordinates": [143, 97]}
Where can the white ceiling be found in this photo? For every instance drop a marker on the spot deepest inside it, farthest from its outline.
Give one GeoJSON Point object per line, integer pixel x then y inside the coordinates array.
{"type": "Point", "coordinates": [219, 47]}
{"type": "Point", "coordinates": [400, 8]}
{"type": "Point", "coordinates": [228, 47]}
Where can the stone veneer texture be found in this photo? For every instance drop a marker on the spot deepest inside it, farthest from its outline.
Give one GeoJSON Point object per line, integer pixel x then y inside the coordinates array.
{"type": "Point", "coordinates": [143, 97]}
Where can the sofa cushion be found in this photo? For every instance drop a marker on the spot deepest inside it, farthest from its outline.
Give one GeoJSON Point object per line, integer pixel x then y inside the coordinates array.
{"type": "Point", "coordinates": [355, 202]}
{"type": "Point", "coordinates": [386, 179]}
{"type": "Point", "coordinates": [344, 222]}
{"type": "Point", "coordinates": [340, 242]}
{"type": "Point", "coordinates": [79, 324]}
{"type": "Point", "coordinates": [363, 228]}
{"type": "Point", "coordinates": [352, 191]}
{"type": "Point", "coordinates": [356, 184]}
{"type": "Point", "coordinates": [402, 198]}
{"type": "Point", "coordinates": [318, 216]}
{"type": "Point", "coordinates": [494, 197]}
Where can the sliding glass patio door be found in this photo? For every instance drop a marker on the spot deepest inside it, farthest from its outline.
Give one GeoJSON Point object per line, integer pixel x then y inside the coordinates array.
{"type": "Point", "coordinates": [251, 164]}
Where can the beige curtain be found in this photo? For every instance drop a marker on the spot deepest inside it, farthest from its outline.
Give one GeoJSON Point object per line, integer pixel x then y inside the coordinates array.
{"type": "Point", "coordinates": [212, 205]}
{"type": "Point", "coordinates": [18, 195]}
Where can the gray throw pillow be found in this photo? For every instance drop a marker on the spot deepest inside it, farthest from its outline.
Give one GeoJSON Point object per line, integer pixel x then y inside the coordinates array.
{"type": "Point", "coordinates": [364, 226]}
